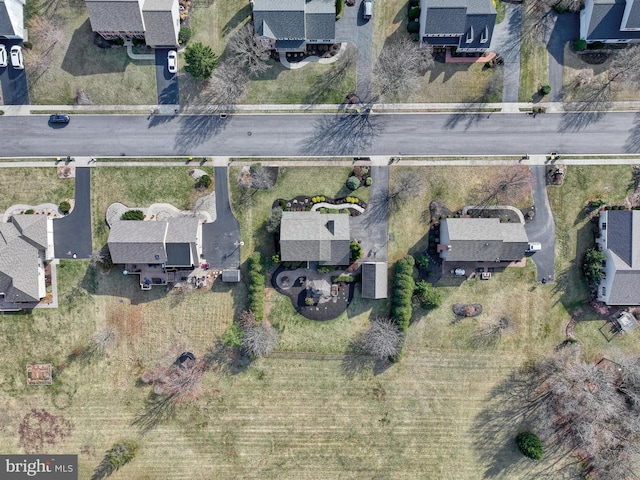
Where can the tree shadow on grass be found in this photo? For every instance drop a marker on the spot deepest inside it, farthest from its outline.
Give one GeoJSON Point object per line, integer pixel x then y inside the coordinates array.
{"type": "Point", "coordinates": [158, 409]}
{"type": "Point", "coordinates": [239, 17]}
{"type": "Point", "coordinates": [357, 360]}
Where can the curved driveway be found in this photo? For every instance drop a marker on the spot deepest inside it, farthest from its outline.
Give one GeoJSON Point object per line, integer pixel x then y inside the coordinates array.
{"type": "Point", "coordinates": [72, 233]}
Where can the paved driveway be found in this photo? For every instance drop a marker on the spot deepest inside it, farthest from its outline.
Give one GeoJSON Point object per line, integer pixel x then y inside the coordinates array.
{"type": "Point", "coordinates": [166, 83]}
{"type": "Point", "coordinates": [72, 234]}
{"type": "Point", "coordinates": [13, 82]}
{"type": "Point", "coordinates": [354, 29]}
{"type": "Point", "coordinates": [220, 239]}
{"type": "Point", "coordinates": [506, 42]}
{"type": "Point", "coordinates": [542, 228]}
{"type": "Point", "coordinates": [564, 28]}
{"type": "Point", "coordinates": [370, 228]}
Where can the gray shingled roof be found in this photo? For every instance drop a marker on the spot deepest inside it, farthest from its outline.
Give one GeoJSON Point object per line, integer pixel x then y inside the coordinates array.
{"type": "Point", "coordinates": [484, 240]}
{"type": "Point", "coordinates": [9, 26]}
{"type": "Point", "coordinates": [232, 276]}
{"type": "Point", "coordinates": [182, 230]}
{"type": "Point", "coordinates": [132, 241]}
{"type": "Point", "coordinates": [606, 20]}
{"type": "Point", "coordinates": [445, 20]}
{"type": "Point", "coordinates": [459, 17]}
{"type": "Point", "coordinates": [623, 242]}
{"type": "Point", "coordinates": [478, 23]}
{"type": "Point", "coordinates": [374, 280]}
{"type": "Point", "coordinates": [34, 227]}
{"type": "Point", "coordinates": [295, 19]}
{"type": "Point", "coordinates": [315, 237]}
{"type": "Point", "coordinates": [19, 272]}
{"type": "Point", "coordinates": [633, 20]}
{"type": "Point", "coordinates": [620, 234]}
{"type": "Point", "coordinates": [160, 26]}
{"type": "Point", "coordinates": [115, 15]}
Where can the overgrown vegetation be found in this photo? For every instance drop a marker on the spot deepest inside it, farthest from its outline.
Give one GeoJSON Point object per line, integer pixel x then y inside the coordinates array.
{"type": "Point", "coordinates": [530, 445]}
{"type": "Point", "coordinates": [592, 266]}
{"type": "Point", "coordinates": [132, 215]}
{"type": "Point", "coordinates": [255, 265]}
{"type": "Point", "coordinates": [403, 287]}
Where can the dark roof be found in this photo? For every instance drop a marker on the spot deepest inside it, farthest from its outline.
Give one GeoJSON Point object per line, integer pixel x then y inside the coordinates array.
{"type": "Point", "coordinates": [606, 20]}
{"type": "Point", "coordinates": [625, 289]}
{"type": "Point", "coordinates": [620, 234]}
{"type": "Point", "coordinates": [442, 41]}
{"type": "Point", "coordinates": [115, 15]}
{"type": "Point", "coordinates": [315, 237]}
{"type": "Point", "coordinates": [442, 20]}
{"type": "Point", "coordinates": [320, 26]}
{"type": "Point", "coordinates": [161, 28]}
{"type": "Point", "coordinates": [478, 25]}
{"type": "Point", "coordinates": [374, 280]}
{"type": "Point", "coordinates": [633, 20]}
{"type": "Point", "coordinates": [483, 240]}
{"type": "Point", "coordinates": [10, 24]}
{"type": "Point", "coordinates": [295, 19]}
{"type": "Point", "coordinates": [179, 255]}
{"type": "Point", "coordinates": [283, 44]}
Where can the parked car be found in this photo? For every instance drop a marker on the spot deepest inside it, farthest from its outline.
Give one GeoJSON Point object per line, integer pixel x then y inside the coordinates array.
{"type": "Point", "coordinates": [59, 118]}
{"type": "Point", "coordinates": [16, 57]}
{"type": "Point", "coordinates": [3, 56]}
{"type": "Point", "coordinates": [172, 61]}
{"type": "Point", "coordinates": [534, 247]}
{"type": "Point", "coordinates": [367, 9]}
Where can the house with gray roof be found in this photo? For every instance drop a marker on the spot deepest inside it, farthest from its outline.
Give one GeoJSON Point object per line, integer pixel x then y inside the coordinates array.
{"type": "Point", "coordinates": [12, 20]}
{"type": "Point", "coordinates": [466, 25]}
{"type": "Point", "coordinates": [157, 22]}
{"type": "Point", "coordinates": [610, 21]}
{"type": "Point", "coordinates": [156, 250]}
{"type": "Point", "coordinates": [374, 280]}
{"type": "Point", "coordinates": [26, 247]}
{"type": "Point", "coordinates": [315, 237]}
{"type": "Point", "coordinates": [619, 240]}
{"type": "Point", "coordinates": [289, 25]}
{"type": "Point", "coordinates": [480, 240]}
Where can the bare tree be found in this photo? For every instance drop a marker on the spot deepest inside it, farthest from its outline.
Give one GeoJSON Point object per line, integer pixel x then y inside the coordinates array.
{"type": "Point", "coordinates": [399, 66]}
{"type": "Point", "coordinates": [248, 52]}
{"type": "Point", "coordinates": [227, 86]}
{"type": "Point", "coordinates": [490, 334]}
{"type": "Point", "coordinates": [259, 340]}
{"type": "Point", "coordinates": [383, 339]}
{"type": "Point", "coordinates": [180, 382]}
{"type": "Point", "coordinates": [45, 32]}
{"type": "Point", "coordinates": [406, 185]}
{"type": "Point", "coordinates": [510, 186]}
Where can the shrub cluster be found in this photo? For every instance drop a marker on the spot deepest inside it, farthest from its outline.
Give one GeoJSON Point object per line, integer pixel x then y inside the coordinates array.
{"type": "Point", "coordinates": [64, 206]}
{"type": "Point", "coordinates": [256, 285]}
{"type": "Point", "coordinates": [356, 250]}
{"type": "Point", "coordinates": [318, 199]}
{"type": "Point", "coordinates": [414, 13]}
{"type": "Point", "coordinates": [352, 200]}
{"type": "Point", "coordinates": [204, 182]}
{"type": "Point", "coordinates": [530, 445]}
{"type": "Point", "coordinates": [592, 267]}
{"type": "Point", "coordinates": [427, 295]}
{"type": "Point", "coordinates": [343, 278]}
{"type": "Point", "coordinates": [133, 215]}
{"type": "Point", "coordinates": [353, 183]}
{"type": "Point", "coordinates": [403, 287]}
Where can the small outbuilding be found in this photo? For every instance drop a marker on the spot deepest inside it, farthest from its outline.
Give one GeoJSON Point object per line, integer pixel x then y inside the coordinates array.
{"type": "Point", "coordinates": [374, 280]}
{"type": "Point", "coordinates": [231, 276]}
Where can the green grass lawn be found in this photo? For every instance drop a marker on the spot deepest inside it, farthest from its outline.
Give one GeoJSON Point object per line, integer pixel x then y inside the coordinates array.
{"type": "Point", "coordinates": [534, 66]}
{"type": "Point", "coordinates": [33, 186]}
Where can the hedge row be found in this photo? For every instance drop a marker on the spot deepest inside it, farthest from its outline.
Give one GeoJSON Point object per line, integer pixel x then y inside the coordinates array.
{"type": "Point", "coordinates": [256, 285]}
{"type": "Point", "coordinates": [403, 287]}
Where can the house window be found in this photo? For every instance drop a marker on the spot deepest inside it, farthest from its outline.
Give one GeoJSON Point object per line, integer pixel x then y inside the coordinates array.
{"type": "Point", "coordinates": [484, 36]}
{"type": "Point", "coordinates": [470, 35]}
{"type": "Point", "coordinates": [604, 225]}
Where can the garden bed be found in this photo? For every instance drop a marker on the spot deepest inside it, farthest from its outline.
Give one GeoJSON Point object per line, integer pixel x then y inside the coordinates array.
{"type": "Point", "coordinates": [350, 205]}
{"type": "Point", "coordinates": [467, 310]}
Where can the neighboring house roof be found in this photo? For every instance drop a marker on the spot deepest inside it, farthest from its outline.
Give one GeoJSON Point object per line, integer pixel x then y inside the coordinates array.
{"type": "Point", "coordinates": [605, 21]}
{"type": "Point", "coordinates": [452, 22]}
{"type": "Point", "coordinates": [315, 237]}
{"type": "Point", "coordinates": [33, 228]}
{"type": "Point", "coordinates": [115, 15]}
{"type": "Point", "coordinates": [295, 19]}
{"type": "Point", "coordinates": [161, 26]}
{"type": "Point", "coordinates": [445, 19]}
{"type": "Point", "coordinates": [12, 18]}
{"type": "Point", "coordinates": [633, 17]}
{"type": "Point", "coordinates": [482, 240]}
{"type": "Point", "coordinates": [21, 277]}
{"type": "Point", "coordinates": [374, 280]}
{"type": "Point", "coordinates": [231, 276]}
{"type": "Point", "coordinates": [136, 241]}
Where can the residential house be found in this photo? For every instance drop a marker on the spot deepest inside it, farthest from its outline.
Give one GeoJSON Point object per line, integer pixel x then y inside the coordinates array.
{"type": "Point", "coordinates": [619, 240]}
{"type": "Point", "coordinates": [484, 242]}
{"type": "Point", "coordinates": [157, 22]}
{"type": "Point", "coordinates": [158, 251]}
{"type": "Point", "coordinates": [610, 21]}
{"type": "Point", "coordinates": [26, 246]}
{"type": "Point", "coordinates": [466, 25]}
{"type": "Point", "coordinates": [12, 20]}
{"type": "Point", "coordinates": [374, 280]}
{"type": "Point", "coordinates": [315, 237]}
{"type": "Point", "coordinates": [290, 25]}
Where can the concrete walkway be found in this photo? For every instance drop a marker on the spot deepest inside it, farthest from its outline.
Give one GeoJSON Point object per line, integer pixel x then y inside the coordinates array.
{"type": "Point", "coordinates": [311, 59]}
{"type": "Point", "coordinates": [506, 41]}
{"type": "Point", "coordinates": [137, 56]}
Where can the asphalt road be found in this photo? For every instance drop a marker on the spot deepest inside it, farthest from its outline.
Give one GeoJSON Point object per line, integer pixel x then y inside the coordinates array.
{"type": "Point", "coordinates": [220, 239]}
{"type": "Point", "coordinates": [72, 234]}
{"type": "Point", "coordinates": [329, 134]}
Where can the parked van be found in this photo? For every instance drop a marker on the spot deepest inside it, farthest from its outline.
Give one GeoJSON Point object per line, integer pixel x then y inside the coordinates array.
{"type": "Point", "coordinates": [534, 247]}
{"type": "Point", "coordinates": [367, 11]}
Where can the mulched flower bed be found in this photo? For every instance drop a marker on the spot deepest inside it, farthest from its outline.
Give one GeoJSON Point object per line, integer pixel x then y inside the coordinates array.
{"type": "Point", "coordinates": [467, 310]}
{"type": "Point", "coordinates": [304, 203]}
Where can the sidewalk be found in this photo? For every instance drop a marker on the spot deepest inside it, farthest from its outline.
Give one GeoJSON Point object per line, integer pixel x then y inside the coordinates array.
{"type": "Point", "coordinates": [435, 108]}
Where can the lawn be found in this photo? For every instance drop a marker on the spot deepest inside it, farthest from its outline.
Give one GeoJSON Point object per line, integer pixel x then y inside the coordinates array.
{"type": "Point", "coordinates": [534, 64]}
{"type": "Point", "coordinates": [292, 181]}
{"type": "Point", "coordinates": [32, 186]}
{"type": "Point", "coordinates": [138, 187]}
{"type": "Point", "coordinates": [109, 77]}
{"type": "Point", "coordinates": [311, 410]}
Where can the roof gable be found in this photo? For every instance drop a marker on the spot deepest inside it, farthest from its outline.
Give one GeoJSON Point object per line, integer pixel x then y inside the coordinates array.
{"type": "Point", "coordinates": [133, 241]}
{"type": "Point", "coordinates": [115, 15]}
{"type": "Point", "coordinates": [20, 274]}
{"type": "Point", "coordinates": [314, 236]}
{"type": "Point", "coordinates": [12, 18]}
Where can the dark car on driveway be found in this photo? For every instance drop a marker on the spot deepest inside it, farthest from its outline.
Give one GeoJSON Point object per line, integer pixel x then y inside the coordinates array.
{"type": "Point", "coordinates": [59, 118]}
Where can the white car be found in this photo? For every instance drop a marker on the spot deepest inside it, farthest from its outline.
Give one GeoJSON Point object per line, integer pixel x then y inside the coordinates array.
{"type": "Point", "coordinates": [172, 61]}
{"type": "Point", "coordinates": [16, 57]}
{"type": "Point", "coordinates": [3, 56]}
{"type": "Point", "coordinates": [367, 12]}
{"type": "Point", "coordinates": [534, 247]}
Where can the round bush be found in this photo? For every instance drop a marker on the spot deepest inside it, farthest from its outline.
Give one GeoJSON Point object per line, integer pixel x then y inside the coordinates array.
{"type": "Point", "coordinates": [132, 215]}
{"type": "Point", "coordinates": [31, 211]}
{"type": "Point", "coordinates": [414, 13]}
{"type": "Point", "coordinates": [64, 207]}
{"type": "Point", "coordinates": [353, 183]}
{"type": "Point", "coordinates": [204, 182]}
{"type": "Point", "coordinates": [545, 90]}
{"type": "Point", "coordinates": [414, 37]}
{"type": "Point", "coordinates": [580, 45]}
{"type": "Point", "coordinates": [414, 3]}
{"type": "Point", "coordinates": [368, 182]}
{"type": "Point", "coordinates": [530, 445]}
{"type": "Point", "coordinates": [185, 34]}
{"type": "Point", "coordinates": [413, 27]}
